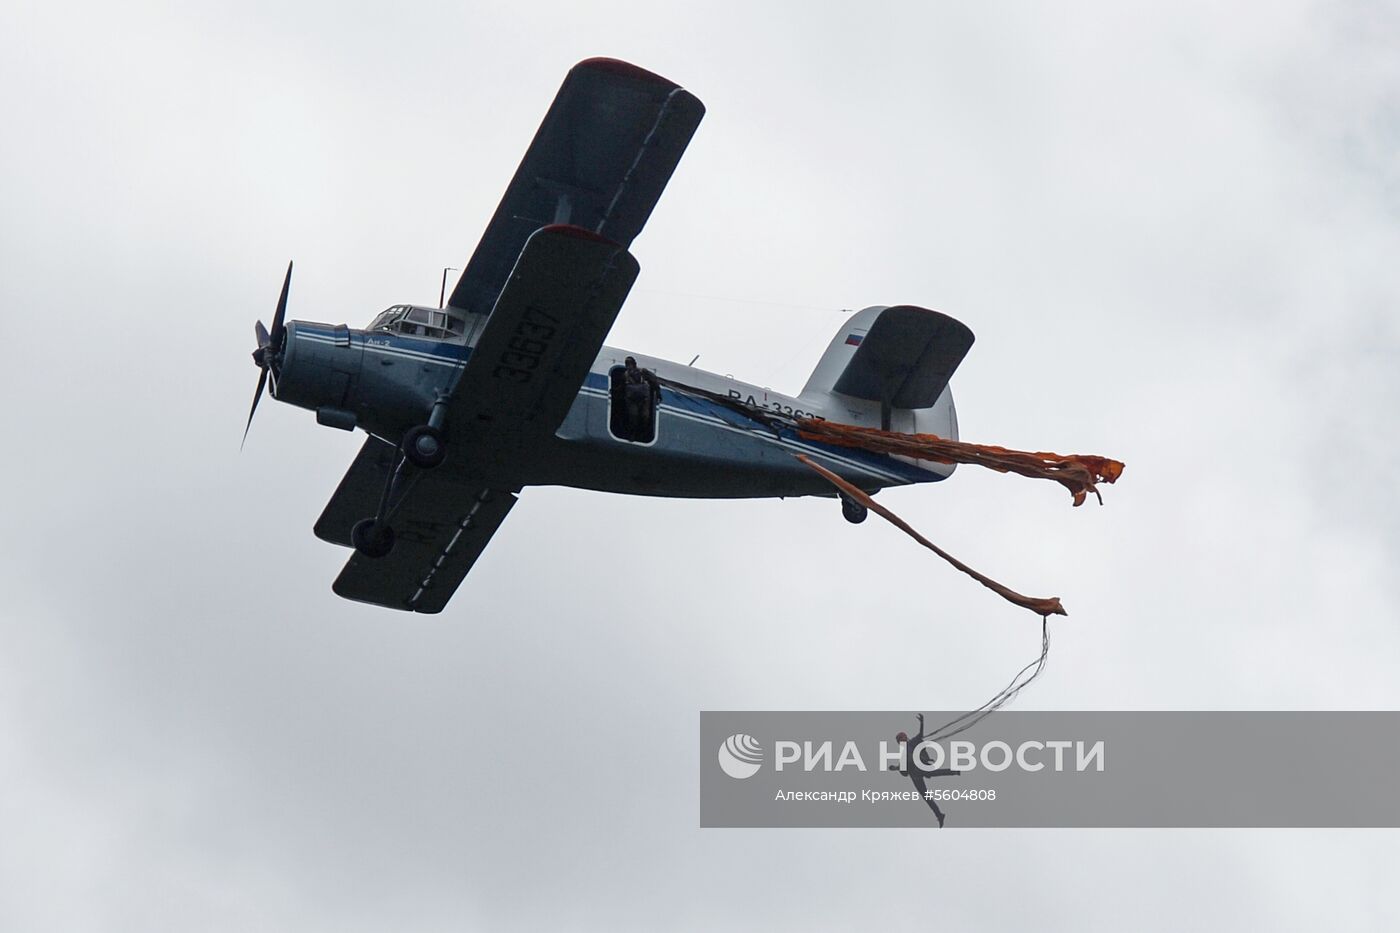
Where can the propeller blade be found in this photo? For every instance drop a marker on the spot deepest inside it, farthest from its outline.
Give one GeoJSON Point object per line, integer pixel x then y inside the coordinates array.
{"type": "Point", "coordinates": [277, 328]}
{"type": "Point", "coordinates": [268, 345]}
{"type": "Point", "coordinates": [262, 381]}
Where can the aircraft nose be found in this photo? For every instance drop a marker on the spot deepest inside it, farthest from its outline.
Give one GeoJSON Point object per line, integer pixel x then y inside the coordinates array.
{"type": "Point", "coordinates": [319, 364]}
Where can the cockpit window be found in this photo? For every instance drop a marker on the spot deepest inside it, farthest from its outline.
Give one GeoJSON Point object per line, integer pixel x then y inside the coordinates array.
{"type": "Point", "coordinates": [386, 318]}
{"type": "Point", "coordinates": [433, 323]}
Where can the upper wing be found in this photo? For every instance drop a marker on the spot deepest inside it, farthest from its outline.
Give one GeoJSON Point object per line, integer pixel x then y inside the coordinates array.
{"type": "Point", "coordinates": [599, 161]}
{"type": "Point", "coordinates": [440, 528]}
{"type": "Point", "coordinates": [545, 332]}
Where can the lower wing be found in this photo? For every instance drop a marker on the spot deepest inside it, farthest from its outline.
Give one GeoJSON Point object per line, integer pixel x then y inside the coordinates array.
{"type": "Point", "coordinates": [439, 529]}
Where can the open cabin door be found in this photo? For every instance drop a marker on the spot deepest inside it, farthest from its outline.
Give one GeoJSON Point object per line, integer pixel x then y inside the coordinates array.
{"type": "Point", "coordinates": [633, 420]}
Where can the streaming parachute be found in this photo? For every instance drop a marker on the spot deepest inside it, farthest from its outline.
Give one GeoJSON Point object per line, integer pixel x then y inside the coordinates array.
{"type": "Point", "coordinates": [1041, 606]}
{"type": "Point", "coordinates": [1079, 473]}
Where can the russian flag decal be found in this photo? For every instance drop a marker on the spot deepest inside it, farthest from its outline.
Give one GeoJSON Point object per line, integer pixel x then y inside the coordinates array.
{"type": "Point", "coordinates": [853, 340]}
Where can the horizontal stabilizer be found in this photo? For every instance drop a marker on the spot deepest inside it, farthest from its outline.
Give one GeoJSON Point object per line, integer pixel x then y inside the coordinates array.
{"type": "Point", "coordinates": [902, 355]}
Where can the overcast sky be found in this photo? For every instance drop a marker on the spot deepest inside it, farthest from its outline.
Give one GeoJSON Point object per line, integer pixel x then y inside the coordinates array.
{"type": "Point", "coordinates": [1173, 228]}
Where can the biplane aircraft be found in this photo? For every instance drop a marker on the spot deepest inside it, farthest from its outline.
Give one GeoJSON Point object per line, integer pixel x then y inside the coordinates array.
{"type": "Point", "coordinates": [510, 385]}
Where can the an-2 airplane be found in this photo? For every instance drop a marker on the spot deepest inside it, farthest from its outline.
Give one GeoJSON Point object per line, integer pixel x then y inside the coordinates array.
{"type": "Point", "coordinates": [509, 385]}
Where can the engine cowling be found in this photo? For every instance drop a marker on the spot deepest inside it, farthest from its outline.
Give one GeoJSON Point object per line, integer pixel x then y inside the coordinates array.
{"type": "Point", "coordinates": [320, 370]}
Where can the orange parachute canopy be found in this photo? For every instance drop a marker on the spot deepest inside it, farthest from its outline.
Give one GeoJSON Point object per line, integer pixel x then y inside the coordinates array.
{"type": "Point", "coordinates": [1040, 605]}
{"type": "Point", "coordinates": [1079, 473]}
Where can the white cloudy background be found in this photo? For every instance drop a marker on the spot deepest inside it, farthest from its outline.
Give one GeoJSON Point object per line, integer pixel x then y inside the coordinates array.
{"type": "Point", "coordinates": [1173, 227]}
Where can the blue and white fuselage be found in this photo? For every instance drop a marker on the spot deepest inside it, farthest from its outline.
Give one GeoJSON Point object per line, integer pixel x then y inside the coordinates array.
{"type": "Point", "coordinates": [383, 382]}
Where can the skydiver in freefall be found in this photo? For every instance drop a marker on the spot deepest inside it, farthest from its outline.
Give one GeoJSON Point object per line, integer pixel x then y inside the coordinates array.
{"type": "Point", "coordinates": [919, 770]}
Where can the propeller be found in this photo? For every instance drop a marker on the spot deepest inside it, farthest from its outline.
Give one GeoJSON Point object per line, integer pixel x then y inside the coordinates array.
{"type": "Point", "coordinates": [269, 346]}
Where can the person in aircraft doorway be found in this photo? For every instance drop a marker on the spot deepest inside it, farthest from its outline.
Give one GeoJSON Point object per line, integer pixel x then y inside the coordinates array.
{"type": "Point", "coordinates": [918, 769]}
{"type": "Point", "coordinates": [640, 392]}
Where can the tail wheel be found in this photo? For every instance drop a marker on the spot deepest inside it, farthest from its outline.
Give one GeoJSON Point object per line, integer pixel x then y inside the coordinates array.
{"type": "Point", "coordinates": [370, 539]}
{"type": "Point", "coordinates": [424, 446]}
{"type": "Point", "coordinates": [853, 511]}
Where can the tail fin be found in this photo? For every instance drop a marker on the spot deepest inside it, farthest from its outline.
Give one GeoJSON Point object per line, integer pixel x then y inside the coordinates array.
{"type": "Point", "coordinates": [899, 356]}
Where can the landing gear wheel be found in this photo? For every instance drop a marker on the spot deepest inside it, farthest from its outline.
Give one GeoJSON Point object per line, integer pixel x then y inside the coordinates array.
{"type": "Point", "coordinates": [370, 540]}
{"type": "Point", "coordinates": [424, 446]}
{"type": "Point", "coordinates": [853, 511]}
